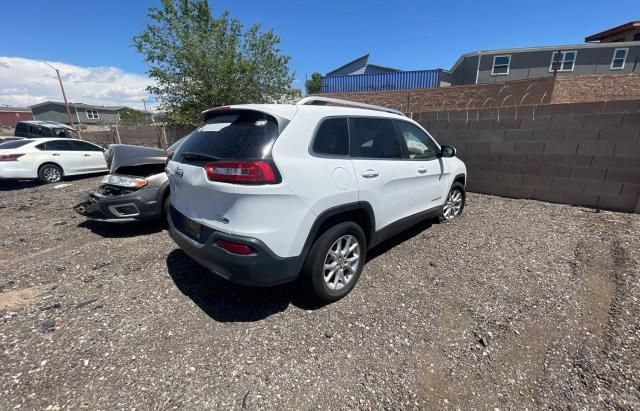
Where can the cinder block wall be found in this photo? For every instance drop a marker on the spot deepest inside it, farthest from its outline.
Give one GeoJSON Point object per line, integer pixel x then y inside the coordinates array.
{"type": "Point", "coordinates": [584, 154]}
{"type": "Point", "coordinates": [150, 136]}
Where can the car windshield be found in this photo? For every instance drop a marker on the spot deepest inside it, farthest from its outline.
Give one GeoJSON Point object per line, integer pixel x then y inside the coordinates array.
{"type": "Point", "coordinates": [14, 144]}
{"type": "Point", "coordinates": [237, 135]}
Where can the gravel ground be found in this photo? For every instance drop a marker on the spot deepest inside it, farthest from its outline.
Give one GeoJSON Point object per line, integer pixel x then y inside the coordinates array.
{"type": "Point", "coordinates": [517, 304]}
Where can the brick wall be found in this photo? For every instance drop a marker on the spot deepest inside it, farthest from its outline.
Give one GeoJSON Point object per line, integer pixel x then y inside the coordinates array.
{"type": "Point", "coordinates": [523, 92]}
{"type": "Point", "coordinates": [569, 89]}
{"type": "Point", "coordinates": [584, 154]}
{"type": "Point", "coordinates": [563, 89]}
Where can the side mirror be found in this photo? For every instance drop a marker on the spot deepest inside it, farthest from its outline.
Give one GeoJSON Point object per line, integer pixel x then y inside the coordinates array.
{"type": "Point", "coordinates": [447, 151]}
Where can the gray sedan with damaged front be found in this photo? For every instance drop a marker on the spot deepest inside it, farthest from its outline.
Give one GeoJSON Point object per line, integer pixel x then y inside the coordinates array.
{"type": "Point", "coordinates": [137, 188]}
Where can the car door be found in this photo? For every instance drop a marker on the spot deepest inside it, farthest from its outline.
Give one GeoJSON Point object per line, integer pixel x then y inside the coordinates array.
{"type": "Point", "coordinates": [431, 172]}
{"type": "Point", "coordinates": [385, 181]}
{"type": "Point", "coordinates": [62, 152]}
{"type": "Point", "coordinates": [92, 156]}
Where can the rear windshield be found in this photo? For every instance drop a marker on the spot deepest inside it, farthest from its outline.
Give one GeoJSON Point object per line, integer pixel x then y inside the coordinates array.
{"type": "Point", "coordinates": [239, 135]}
{"type": "Point", "coordinates": [14, 144]}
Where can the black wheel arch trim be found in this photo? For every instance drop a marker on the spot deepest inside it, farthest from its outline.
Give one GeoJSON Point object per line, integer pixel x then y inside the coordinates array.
{"type": "Point", "coordinates": [362, 206]}
{"type": "Point", "coordinates": [462, 177]}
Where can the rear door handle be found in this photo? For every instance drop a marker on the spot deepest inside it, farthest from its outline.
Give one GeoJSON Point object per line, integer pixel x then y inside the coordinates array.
{"type": "Point", "coordinates": [370, 174]}
{"type": "Point", "coordinates": [87, 155]}
{"type": "Point", "coordinates": [422, 170]}
{"type": "Point", "coordinates": [55, 155]}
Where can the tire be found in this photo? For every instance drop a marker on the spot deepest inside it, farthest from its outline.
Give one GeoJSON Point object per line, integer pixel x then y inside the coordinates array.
{"type": "Point", "coordinates": [50, 173]}
{"type": "Point", "coordinates": [341, 280]}
{"type": "Point", "coordinates": [454, 204]}
{"type": "Point", "coordinates": [165, 210]}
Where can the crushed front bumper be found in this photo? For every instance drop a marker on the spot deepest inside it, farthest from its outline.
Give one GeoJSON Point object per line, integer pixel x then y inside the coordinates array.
{"type": "Point", "coordinates": [114, 205]}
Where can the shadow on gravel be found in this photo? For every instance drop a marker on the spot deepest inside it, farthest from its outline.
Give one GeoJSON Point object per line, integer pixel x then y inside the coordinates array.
{"type": "Point", "coordinates": [110, 230]}
{"type": "Point", "coordinates": [12, 185]}
{"type": "Point", "coordinates": [398, 239]}
{"type": "Point", "coordinates": [227, 302]}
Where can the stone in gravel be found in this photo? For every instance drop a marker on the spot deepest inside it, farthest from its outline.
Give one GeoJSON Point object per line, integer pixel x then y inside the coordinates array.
{"type": "Point", "coordinates": [482, 341]}
{"type": "Point", "coordinates": [53, 306]}
{"type": "Point", "coordinates": [85, 303]}
{"type": "Point", "coordinates": [48, 326]}
{"type": "Point", "coordinates": [3, 206]}
{"type": "Point", "coordinates": [59, 223]}
{"type": "Point", "coordinates": [88, 279]}
{"type": "Point", "coordinates": [328, 334]}
{"type": "Point", "coordinates": [245, 400]}
{"type": "Point", "coordinates": [60, 268]}
{"type": "Point", "coordinates": [6, 284]}
{"type": "Point", "coordinates": [102, 264]}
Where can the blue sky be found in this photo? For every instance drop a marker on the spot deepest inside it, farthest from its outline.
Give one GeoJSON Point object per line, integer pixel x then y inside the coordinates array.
{"type": "Point", "coordinates": [319, 35]}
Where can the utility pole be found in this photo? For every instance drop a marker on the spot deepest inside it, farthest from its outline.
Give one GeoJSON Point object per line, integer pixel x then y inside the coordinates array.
{"type": "Point", "coordinates": [145, 105]}
{"type": "Point", "coordinates": [557, 63]}
{"type": "Point", "coordinates": [64, 95]}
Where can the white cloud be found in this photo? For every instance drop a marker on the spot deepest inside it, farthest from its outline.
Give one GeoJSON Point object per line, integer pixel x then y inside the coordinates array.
{"type": "Point", "coordinates": [24, 82]}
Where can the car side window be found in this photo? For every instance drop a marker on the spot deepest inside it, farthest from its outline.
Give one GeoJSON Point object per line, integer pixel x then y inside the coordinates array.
{"type": "Point", "coordinates": [332, 138]}
{"type": "Point", "coordinates": [83, 146]}
{"type": "Point", "coordinates": [58, 145]}
{"type": "Point", "coordinates": [374, 138]}
{"type": "Point", "coordinates": [37, 131]}
{"type": "Point", "coordinates": [419, 145]}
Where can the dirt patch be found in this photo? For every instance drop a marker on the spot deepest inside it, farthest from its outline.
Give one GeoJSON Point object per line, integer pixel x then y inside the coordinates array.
{"type": "Point", "coordinates": [599, 270]}
{"type": "Point", "coordinates": [10, 300]}
{"type": "Point", "coordinates": [6, 255]}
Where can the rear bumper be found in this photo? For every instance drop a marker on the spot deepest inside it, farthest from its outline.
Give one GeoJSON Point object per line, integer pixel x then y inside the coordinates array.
{"type": "Point", "coordinates": [263, 268]}
{"type": "Point", "coordinates": [136, 206]}
{"type": "Point", "coordinates": [11, 171]}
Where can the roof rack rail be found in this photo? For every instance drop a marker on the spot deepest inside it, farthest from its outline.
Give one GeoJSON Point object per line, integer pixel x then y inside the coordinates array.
{"type": "Point", "coordinates": [346, 103]}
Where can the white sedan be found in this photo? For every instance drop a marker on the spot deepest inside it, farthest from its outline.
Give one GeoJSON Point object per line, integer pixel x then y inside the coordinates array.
{"type": "Point", "coordinates": [50, 159]}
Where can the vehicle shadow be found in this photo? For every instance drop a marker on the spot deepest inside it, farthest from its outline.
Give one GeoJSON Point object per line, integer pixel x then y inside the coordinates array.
{"type": "Point", "coordinates": [110, 230]}
{"type": "Point", "coordinates": [224, 301]}
{"type": "Point", "coordinates": [12, 185]}
{"type": "Point", "coordinates": [398, 239]}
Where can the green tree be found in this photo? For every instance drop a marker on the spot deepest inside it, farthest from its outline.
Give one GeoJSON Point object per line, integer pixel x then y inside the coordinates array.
{"type": "Point", "coordinates": [314, 84]}
{"type": "Point", "coordinates": [132, 116]}
{"type": "Point", "coordinates": [199, 61]}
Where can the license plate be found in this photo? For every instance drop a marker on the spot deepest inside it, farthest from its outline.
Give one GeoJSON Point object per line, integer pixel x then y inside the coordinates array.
{"type": "Point", "coordinates": [192, 227]}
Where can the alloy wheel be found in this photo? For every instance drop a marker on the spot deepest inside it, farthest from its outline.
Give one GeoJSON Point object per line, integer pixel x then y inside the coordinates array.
{"type": "Point", "coordinates": [51, 174]}
{"type": "Point", "coordinates": [341, 262]}
{"type": "Point", "coordinates": [453, 205]}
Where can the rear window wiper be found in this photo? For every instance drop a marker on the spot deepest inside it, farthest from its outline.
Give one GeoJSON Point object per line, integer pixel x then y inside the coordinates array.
{"type": "Point", "coordinates": [198, 156]}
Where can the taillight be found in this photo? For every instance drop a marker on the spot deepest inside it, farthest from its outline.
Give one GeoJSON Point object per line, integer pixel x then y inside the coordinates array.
{"type": "Point", "coordinates": [235, 248]}
{"type": "Point", "coordinates": [10, 157]}
{"type": "Point", "coordinates": [242, 172]}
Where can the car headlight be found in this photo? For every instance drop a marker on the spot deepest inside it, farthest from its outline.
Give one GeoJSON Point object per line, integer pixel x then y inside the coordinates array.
{"type": "Point", "coordinates": [124, 181]}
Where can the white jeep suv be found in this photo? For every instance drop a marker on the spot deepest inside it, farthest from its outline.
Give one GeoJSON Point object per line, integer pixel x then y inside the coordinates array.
{"type": "Point", "coordinates": [261, 194]}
